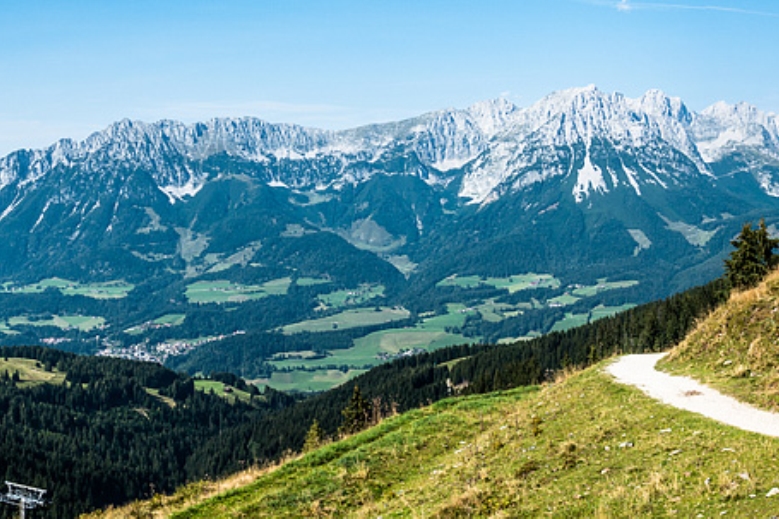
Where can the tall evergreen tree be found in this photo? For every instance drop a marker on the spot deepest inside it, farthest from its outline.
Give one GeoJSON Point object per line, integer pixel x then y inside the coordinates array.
{"type": "Point", "coordinates": [356, 414]}
{"type": "Point", "coordinates": [313, 437]}
{"type": "Point", "coordinates": [753, 258]}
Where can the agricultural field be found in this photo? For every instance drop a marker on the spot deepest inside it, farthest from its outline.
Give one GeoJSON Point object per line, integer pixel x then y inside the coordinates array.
{"type": "Point", "coordinates": [602, 286]}
{"type": "Point", "coordinates": [512, 283]}
{"type": "Point", "coordinates": [319, 380]}
{"type": "Point", "coordinates": [352, 296]}
{"type": "Point", "coordinates": [570, 321]}
{"type": "Point", "coordinates": [5, 330]}
{"type": "Point", "coordinates": [404, 265]}
{"type": "Point", "coordinates": [170, 320]}
{"type": "Point", "coordinates": [599, 312]}
{"type": "Point", "coordinates": [65, 322]}
{"type": "Point", "coordinates": [493, 312]}
{"type": "Point", "coordinates": [105, 290]}
{"type": "Point", "coordinates": [563, 300]}
{"type": "Point", "coordinates": [31, 372]}
{"type": "Point", "coordinates": [222, 291]}
{"type": "Point", "coordinates": [349, 319]}
{"type": "Point", "coordinates": [161, 322]}
{"type": "Point", "coordinates": [307, 282]}
{"type": "Point", "coordinates": [219, 389]}
{"type": "Point", "coordinates": [431, 332]}
{"type": "Point", "coordinates": [373, 349]}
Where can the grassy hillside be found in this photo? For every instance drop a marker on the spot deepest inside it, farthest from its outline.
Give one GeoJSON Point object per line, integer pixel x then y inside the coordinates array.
{"type": "Point", "coordinates": [582, 447]}
{"type": "Point", "coordinates": [31, 371]}
{"type": "Point", "coordinates": [735, 348]}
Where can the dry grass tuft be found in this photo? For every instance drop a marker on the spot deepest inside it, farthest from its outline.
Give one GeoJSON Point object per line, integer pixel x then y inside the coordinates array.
{"type": "Point", "coordinates": [736, 348]}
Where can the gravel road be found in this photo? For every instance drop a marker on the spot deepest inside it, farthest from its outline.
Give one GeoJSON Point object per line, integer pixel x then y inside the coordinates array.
{"type": "Point", "coordinates": [685, 393]}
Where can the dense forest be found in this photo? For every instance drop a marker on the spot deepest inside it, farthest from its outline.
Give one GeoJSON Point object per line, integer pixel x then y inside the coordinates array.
{"type": "Point", "coordinates": [115, 430]}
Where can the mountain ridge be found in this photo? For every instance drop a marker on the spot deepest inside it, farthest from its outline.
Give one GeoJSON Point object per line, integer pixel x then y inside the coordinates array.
{"type": "Point", "coordinates": [444, 140]}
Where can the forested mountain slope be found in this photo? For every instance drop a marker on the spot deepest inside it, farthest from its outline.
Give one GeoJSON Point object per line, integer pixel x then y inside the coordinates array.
{"type": "Point", "coordinates": [228, 244]}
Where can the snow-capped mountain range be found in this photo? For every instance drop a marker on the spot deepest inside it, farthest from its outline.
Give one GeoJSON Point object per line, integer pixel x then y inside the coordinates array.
{"type": "Point", "coordinates": [500, 144]}
{"type": "Point", "coordinates": [639, 168]}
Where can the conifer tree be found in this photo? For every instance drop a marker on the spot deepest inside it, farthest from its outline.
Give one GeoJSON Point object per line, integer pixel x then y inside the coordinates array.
{"type": "Point", "coordinates": [753, 258]}
{"type": "Point", "coordinates": [313, 437]}
{"type": "Point", "coordinates": [356, 414]}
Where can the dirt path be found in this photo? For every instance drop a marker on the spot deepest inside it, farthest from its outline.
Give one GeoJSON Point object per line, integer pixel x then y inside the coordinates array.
{"type": "Point", "coordinates": [685, 393]}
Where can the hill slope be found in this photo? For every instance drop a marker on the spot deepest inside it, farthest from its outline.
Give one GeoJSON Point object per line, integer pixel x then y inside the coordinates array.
{"type": "Point", "coordinates": [585, 447]}
{"type": "Point", "coordinates": [735, 348]}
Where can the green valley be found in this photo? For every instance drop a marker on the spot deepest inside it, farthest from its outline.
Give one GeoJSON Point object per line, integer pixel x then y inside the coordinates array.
{"type": "Point", "coordinates": [351, 328]}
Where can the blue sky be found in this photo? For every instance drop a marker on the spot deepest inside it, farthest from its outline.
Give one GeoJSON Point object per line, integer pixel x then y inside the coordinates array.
{"type": "Point", "coordinates": [70, 68]}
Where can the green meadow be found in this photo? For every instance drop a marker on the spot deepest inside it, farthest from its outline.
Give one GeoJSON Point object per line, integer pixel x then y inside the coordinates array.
{"type": "Point", "coordinates": [512, 283]}
{"type": "Point", "coordinates": [222, 291]}
{"type": "Point", "coordinates": [105, 290]}
{"type": "Point", "coordinates": [64, 322]}
{"type": "Point", "coordinates": [318, 380]}
{"type": "Point", "coordinates": [349, 319]}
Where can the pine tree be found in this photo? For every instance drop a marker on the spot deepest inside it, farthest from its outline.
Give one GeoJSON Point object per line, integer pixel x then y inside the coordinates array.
{"type": "Point", "coordinates": [313, 437]}
{"type": "Point", "coordinates": [356, 414]}
{"type": "Point", "coordinates": [753, 258]}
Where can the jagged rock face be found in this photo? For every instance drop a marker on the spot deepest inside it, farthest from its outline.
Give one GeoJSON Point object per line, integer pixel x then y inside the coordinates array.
{"type": "Point", "coordinates": [143, 192]}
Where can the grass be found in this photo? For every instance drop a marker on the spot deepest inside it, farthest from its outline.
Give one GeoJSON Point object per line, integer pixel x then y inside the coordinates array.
{"type": "Point", "coordinates": [366, 350]}
{"type": "Point", "coordinates": [219, 389]}
{"type": "Point", "coordinates": [512, 283]}
{"type": "Point", "coordinates": [693, 235]}
{"type": "Point", "coordinates": [430, 334]}
{"type": "Point", "coordinates": [563, 300]}
{"type": "Point", "coordinates": [65, 322]}
{"type": "Point", "coordinates": [6, 330]}
{"type": "Point", "coordinates": [106, 290]}
{"type": "Point", "coordinates": [222, 291]}
{"type": "Point", "coordinates": [307, 282]}
{"type": "Point", "coordinates": [352, 296]}
{"type": "Point", "coordinates": [170, 319]}
{"type": "Point", "coordinates": [404, 265]}
{"type": "Point", "coordinates": [570, 321]}
{"type": "Point", "coordinates": [583, 447]}
{"type": "Point", "coordinates": [602, 286]}
{"type": "Point", "coordinates": [735, 348]}
{"type": "Point", "coordinates": [349, 319]}
{"type": "Point", "coordinates": [317, 380]}
{"type": "Point", "coordinates": [165, 320]}
{"type": "Point", "coordinates": [600, 311]}
{"type": "Point", "coordinates": [494, 312]}
{"type": "Point", "coordinates": [31, 372]}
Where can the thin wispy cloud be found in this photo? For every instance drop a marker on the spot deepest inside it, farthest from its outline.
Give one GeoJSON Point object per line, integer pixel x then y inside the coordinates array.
{"type": "Point", "coordinates": [628, 6]}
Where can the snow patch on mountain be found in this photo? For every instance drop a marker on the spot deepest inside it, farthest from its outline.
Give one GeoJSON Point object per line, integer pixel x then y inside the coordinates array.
{"type": "Point", "coordinates": [632, 179]}
{"type": "Point", "coordinates": [590, 178]}
{"type": "Point", "coordinates": [177, 193]}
